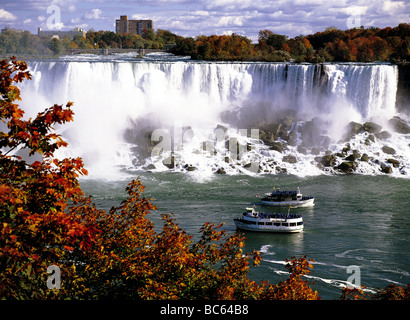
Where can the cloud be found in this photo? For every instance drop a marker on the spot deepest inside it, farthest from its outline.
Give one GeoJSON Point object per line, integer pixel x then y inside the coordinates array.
{"type": "Point", "coordinates": [226, 21]}
{"type": "Point", "coordinates": [94, 14]}
{"type": "Point", "coordinates": [55, 26]}
{"type": "Point", "coordinates": [197, 17]}
{"type": "Point", "coordinates": [391, 7]}
{"type": "Point", "coordinates": [6, 16]}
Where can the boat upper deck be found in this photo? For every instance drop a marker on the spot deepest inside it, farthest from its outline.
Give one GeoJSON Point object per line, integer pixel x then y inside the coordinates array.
{"type": "Point", "coordinates": [271, 216]}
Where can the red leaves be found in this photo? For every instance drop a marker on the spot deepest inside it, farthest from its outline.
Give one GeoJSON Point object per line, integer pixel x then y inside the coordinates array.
{"type": "Point", "coordinates": [36, 230]}
{"type": "Point", "coordinates": [232, 47]}
{"type": "Point", "coordinates": [36, 134]}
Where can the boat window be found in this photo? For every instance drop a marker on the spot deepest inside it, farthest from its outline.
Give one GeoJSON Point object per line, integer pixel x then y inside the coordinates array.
{"type": "Point", "coordinates": [300, 223]}
{"type": "Point", "coordinates": [284, 224]}
{"type": "Point", "coordinates": [277, 224]}
{"type": "Point", "coordinates": [268, 223]}
{"type": "Point", "coordinates": [293, 224]}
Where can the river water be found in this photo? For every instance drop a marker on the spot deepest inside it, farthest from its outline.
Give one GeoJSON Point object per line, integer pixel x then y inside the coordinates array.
{"type": "Point", "coordinates": [358, 220]}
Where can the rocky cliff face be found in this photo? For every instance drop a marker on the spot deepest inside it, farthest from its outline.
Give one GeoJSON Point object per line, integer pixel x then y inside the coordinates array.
{"type": "Point", "coordinates": [403, 88]}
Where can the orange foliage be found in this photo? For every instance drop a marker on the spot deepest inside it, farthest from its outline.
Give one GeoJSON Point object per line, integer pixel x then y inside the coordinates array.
{"type": "Point", "coordinates": [35, 229]}
{"type": "Point", "coordinates": [294, 288]}
{"type": "Point", "coordinates": [232, 47]}
{"type": "Point", "coordinates": [391, 292]}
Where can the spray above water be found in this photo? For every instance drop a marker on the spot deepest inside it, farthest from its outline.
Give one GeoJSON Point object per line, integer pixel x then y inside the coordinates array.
{"type": "Point", "coordinates": [220, 117]}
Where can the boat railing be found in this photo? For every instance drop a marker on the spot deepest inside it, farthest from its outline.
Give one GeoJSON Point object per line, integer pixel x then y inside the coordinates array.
{"type": "Point", "coordinates": [263, 215]}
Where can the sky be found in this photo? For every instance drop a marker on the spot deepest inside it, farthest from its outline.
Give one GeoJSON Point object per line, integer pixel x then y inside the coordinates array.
{"type": "Point", "coordinates": [206, 17]}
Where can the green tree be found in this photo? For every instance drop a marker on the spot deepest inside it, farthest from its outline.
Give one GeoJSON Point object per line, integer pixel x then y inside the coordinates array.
{"type": "Point", "coordinates": [404, 50]}
{"type": "Point", "coordinates": [55, 46]}
{"type": "Point", "coordinates": [81, 42]}
{"type": "Point", "coordinates": [276, 41]}
{"type": "Point", "coordinates": [149, 34]}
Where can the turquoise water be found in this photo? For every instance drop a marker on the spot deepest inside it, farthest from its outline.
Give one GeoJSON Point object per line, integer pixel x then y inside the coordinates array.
{"type": "Point", "coordinates": [358, 220]}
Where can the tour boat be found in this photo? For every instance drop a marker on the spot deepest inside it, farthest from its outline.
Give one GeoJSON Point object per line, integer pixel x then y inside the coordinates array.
{"type": "Point", "coordinates": [286, 198]}
{"type": "Point", "coordinates": [252, 220]}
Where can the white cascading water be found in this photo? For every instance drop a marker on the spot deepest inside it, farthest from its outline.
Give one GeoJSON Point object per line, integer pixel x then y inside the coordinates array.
{"type": "Point", "coordinates": [113, 98]}
{"type": "Point", "coordinates": [370, 88]}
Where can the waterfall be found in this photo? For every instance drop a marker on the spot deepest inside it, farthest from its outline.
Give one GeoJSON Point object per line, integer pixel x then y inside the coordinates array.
{"type": "Point", "coordinates": [370, 88]}
{"type": "Point", "coordinates": [114, 102]}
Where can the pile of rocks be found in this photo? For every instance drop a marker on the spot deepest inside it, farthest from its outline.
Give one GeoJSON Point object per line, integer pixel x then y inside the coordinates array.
{"type": "Point", "coordinates": [296, 139]}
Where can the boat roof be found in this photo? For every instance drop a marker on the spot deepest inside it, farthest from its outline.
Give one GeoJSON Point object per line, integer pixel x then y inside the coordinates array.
{"type": "Point", "coordinates": [279, 192]}
{"type": "Point", "coordinates": [270, 215]}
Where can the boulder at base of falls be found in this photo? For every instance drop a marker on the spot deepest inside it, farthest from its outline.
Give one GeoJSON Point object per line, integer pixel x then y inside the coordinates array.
{"type": "Point", "coordinates": [399, 125]}
{"type": "Point", "coordinates": [189, 167]}
{"type": "Point", "coordinates": [315, 151]}
{"type": "Point", "coordinates": [383, 135]}
{"type": "Point", "coordinates": [352, 129]}
{"type": "Point", "coordinates": [220, 171]}
{"type": "Point", "coordinates": [388, 150]}
{"type": "Point", "coordinates": [386, 169]}
{"type": "Point", "coordinates": [364, 157]}
{"type": "Point", "coordinates": [394, 162]}
{"type": "Point", "coordinates": [149, 167]}
{"type": "Point", "coordinates": [355, 155]}
{"type": "Point", "coordinates": [302, 150]}
{"type": "Point", "coordinates": [169, 162]}
{"type": "Point", "coordinates": [328, 160]}
{"type": "Point", "coordinates": [267, 136]}
{"type": "Point", "coordinates": [347, 167]}
{"type": "Point", "coordinates": [372, 127]}
{"type": "Point", "coordinates": [277, 146]}
{"type": "Point", "coordinates": [290, 159]}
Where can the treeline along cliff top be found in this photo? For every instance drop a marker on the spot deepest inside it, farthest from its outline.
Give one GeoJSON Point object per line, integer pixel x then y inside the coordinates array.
{"type": "Point", "coordinates": [353, 45]}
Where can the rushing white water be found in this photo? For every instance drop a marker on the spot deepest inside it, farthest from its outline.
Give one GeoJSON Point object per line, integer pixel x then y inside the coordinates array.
{"type": "Point", "coordinates": [118, 102]}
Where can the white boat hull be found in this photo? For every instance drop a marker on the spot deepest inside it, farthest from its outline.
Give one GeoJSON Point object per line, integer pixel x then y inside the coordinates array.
{"type": "Point", "coordinates": [282, 228]}
{"type": "Point", "coordinates": [293, 204]}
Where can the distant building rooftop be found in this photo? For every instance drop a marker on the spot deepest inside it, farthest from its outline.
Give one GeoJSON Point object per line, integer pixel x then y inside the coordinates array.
{"type": "Point", "coordinates": [60, 34]}
{"type": "Point", "coordinates": [140, 27]}
{"type": "Point", "coordinates": [7, 28]}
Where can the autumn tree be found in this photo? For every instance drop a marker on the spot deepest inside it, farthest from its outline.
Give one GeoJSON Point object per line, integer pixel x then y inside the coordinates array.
{"type": "Point", "coordinates": [391, 292]}
{"type": "Point", "coordinates": [35, 229]}
{"type": "Point", "coordinates": [293, 288]}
